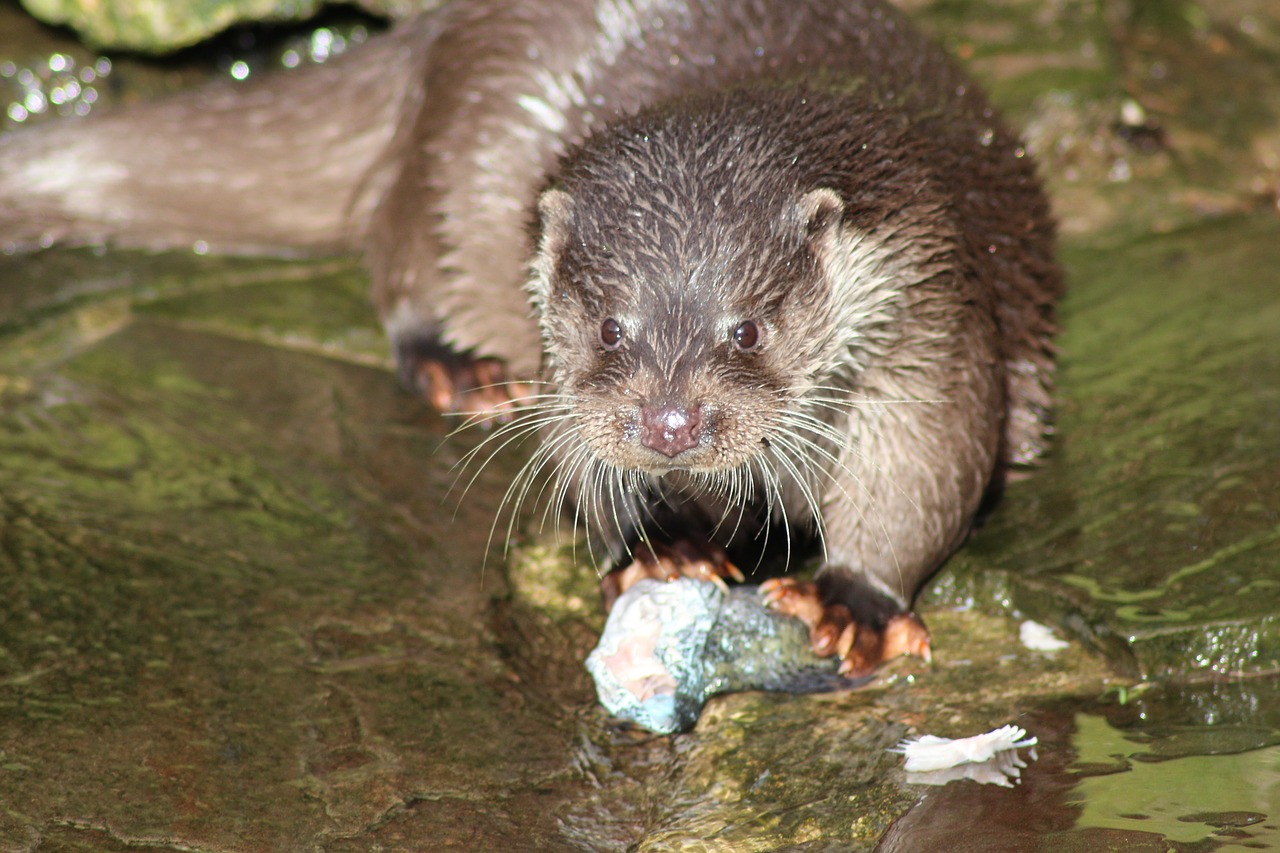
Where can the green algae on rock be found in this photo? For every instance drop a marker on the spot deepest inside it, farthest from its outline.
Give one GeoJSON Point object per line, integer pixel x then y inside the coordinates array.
{"type": "Point", "coordinates": [216, 555]}
{"type": "Point", "coordinates": [162, 26]}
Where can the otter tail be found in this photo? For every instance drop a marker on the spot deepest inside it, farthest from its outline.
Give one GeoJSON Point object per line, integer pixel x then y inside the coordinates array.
{"type": "Point", "coordinates": [291, 163]}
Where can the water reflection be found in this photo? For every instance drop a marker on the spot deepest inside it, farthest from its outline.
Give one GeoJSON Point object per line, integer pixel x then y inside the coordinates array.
{"type": "Point", "coordinates": [1172, 767]}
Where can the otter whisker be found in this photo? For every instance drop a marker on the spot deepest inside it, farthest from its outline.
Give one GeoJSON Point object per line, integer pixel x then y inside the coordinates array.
{"type": "Point", "coordinates": [734, 491]}
{"type": "Point", "coordinates": [533, 475]}
{"type": "Point", "coordinates": [531, 418]}
{"type": "Point", "coordinates": [773, 505]}
{"type": "Point", "coordinates": [473, 418]}
{"type": "Point", "coordinates": [511, 434]}
{"type": "Point", "coordinates": [516, 494]}
{"type": "Point", "coordinates": [576, 467]}
{"type": "Point", "coordinates": [845, 440]}
{"type": "Point", "coordinates": [783, 450]}
{"type": "Point", "coordinates": [790, 468]}
{"type": "Point", "coordinates": [848, 446]}
{"type": "Point", "coordinates": [495, 444]}
{"type": "Point", "coordinates": [801, 425]}
{"type": "Point", "coordinates": [613, 488]}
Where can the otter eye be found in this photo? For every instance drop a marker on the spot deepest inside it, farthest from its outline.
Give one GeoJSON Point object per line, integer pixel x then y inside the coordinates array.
{"type": "Point", "coordinates": [610, 334]}
{"type": "Point", "coordinates": [746, 337]}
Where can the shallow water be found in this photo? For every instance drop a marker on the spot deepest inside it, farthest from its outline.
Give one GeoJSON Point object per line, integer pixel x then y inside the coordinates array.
{"type": "Point", "coordinates": [1174, 768]}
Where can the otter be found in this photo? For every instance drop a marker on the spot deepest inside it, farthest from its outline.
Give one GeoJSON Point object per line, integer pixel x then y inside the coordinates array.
{"type": "Point", "coordinates": [751, 267]}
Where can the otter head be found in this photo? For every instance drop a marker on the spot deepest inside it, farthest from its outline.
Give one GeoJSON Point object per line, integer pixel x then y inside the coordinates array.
{"type": "Point", "coordinates": [711, 297]}
{"type": "Point", "coordinates": [680, 328]}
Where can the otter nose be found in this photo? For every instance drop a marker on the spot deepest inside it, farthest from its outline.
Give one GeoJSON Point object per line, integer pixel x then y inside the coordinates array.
{"type": "Point", "coordinates": [670, 429]}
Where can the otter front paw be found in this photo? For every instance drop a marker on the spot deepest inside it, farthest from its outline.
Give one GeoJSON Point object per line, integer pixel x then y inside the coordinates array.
{"type": "Point", "coordinates": [699, 560]}
{"type": "Point", "coordinates": [456, 384]}
{"type": "Point", "coordinates": [834, 631]}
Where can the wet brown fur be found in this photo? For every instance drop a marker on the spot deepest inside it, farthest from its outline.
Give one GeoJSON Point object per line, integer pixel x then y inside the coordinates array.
{"type": "Point", "coordinates": [820, 168]}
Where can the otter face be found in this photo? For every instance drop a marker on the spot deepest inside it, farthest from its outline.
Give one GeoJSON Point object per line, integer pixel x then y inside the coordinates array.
{"type": "Point", "coordinates": [679, 347]}
{"type": "Point", "coordinates": [719, 298]}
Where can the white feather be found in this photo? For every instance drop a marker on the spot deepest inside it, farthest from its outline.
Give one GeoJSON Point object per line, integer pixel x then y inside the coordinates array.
{"type": "Point", "coordinates": [1039, 638]}
{"type": "Point", "coordinates": [929, 752]}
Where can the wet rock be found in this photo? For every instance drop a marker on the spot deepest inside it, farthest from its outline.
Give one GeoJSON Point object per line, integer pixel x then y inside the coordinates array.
{"type": "Point", "coordinates": [668, 646]}
{"type": "Point", "coordinates": [167, 25]}
{"type": "Point", "coordinates": [1152, 531]}
{"type": "Point", "coordinates": [230, 586]}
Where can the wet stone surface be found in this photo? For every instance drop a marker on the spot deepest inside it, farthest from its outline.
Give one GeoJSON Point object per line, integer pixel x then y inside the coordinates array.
{"type": "Point", "coordinates": [1154, 531]}
{"type": "Point", "coordinates": [227, 591]}
{"type": "Point", "coordinates": [245, 604]}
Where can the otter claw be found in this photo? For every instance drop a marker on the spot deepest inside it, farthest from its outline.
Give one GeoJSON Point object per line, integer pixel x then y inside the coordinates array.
{"type": "Point", "coordinates": [905, 634]}
{"type": "Point", "coordinates": [715, 579]}
{"type": "Point", "coordinates": [796, 598]}
{"type": "Point", "coordinates": [698, 560]}
{"type": "Point", "coordinates": [833, 632]}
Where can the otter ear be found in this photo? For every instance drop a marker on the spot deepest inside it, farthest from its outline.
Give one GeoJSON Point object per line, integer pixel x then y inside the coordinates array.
{"type": "Point", "coordinates": [821, 210]}
{"type": "Point", "coordinates": [552, 232]}
{"type": "Point", "coordinates": [553, 217]}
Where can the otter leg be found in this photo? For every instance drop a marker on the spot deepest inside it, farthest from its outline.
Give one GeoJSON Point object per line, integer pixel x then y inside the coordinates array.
{"type": "Point", "coordinates": [458, 384]}
{"type": "Point", "coordinates": [688, 558]}
{"type": "Point", "coordinates": [848, 620]}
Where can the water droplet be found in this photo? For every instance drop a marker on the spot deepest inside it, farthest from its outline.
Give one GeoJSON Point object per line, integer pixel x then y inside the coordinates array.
{"type": "Point", "coordinates": [321, 44]}
{"type": "Point", "coordinates": [35, 102]}
{"type": "Point", "coordinates": [1132, 113]}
